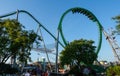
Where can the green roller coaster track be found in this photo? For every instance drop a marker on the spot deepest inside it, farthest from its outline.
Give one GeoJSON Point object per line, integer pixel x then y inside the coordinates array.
{"type": "Point", "coordinates": [87, 13]}
{"type": "Point", "coordinates": [83, 11]}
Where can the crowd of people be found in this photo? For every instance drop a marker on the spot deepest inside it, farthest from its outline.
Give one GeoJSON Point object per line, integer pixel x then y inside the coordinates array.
{"type": "Point", "coordinates": [36, 72]}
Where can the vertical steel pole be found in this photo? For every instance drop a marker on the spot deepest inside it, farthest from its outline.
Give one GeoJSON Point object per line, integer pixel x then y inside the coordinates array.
{"type": "Point", "coordinates": [56, 66]}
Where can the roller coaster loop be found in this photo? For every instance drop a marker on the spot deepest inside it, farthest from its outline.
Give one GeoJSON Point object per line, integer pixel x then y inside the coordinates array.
{"type": "Point", "coordinates": [87, 13]}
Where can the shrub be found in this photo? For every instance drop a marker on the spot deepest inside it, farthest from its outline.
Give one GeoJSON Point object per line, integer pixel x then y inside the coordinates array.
{"type": "Point", "coordinates": [113, 70]}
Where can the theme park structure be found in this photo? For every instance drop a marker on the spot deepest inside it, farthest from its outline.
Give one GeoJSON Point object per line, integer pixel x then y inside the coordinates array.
{"type": "Point", "coordinates": [75, 10]}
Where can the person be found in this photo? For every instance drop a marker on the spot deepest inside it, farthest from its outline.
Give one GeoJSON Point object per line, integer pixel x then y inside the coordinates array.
{"type": "Point", "coordinates": [86, 71]}
{"type": "Point", "coordinates": [38, 70]}
{"type": "Point", "coordinates": [27, 73]}
{"type": "Point", "coordinates": [33, 72]}
{"type": "Point", "coordinates": [46, 73]}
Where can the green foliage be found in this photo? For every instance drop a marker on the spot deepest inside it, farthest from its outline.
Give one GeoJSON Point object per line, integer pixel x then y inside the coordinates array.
{"type": "Point", "coordinates": [113, 70]}
{"type": "Point", "coordinates": [15, 41]}
{"type": "Point", "coordinates": [78, 51]}
{"type": "Point", "coordinates": [76, 71]}
{"type": "Point", "coordinates": [117, 19]}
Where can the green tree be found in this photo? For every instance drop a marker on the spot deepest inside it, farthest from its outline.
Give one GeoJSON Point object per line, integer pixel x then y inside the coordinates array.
{"type": "Point", "coordinates": [77, 52]}
{"type": "Point", "coordinates": [15, 41]}
{"type": "Point", "coordinates": [113, 71]}
{"type": "Point", "coordinates": [117, 19]}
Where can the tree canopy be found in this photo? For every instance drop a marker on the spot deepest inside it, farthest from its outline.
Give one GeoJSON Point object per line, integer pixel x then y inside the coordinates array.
{"type": "Point", "coordinates": [117, 19]}
{"type": "Point", "coordinates": [78, 51]}
{"type": "Point", "coordinates": [15, 40]}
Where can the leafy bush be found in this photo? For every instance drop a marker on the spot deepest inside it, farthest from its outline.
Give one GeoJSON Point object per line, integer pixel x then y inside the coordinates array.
{"type": "Point", "coordinates": [113, 70]}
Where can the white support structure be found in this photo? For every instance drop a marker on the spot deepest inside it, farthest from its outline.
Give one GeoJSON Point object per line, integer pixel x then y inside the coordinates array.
{"type": "Point", "coordinates": [111, 40]}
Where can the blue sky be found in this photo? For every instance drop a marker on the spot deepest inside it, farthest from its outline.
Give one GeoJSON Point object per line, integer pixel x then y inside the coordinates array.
{"type": "Point", "coordinates": [77, 26]}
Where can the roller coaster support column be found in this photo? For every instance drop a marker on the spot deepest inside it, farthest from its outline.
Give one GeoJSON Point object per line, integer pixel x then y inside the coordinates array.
{"type": "Point", "coordinates": [56, 66]}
